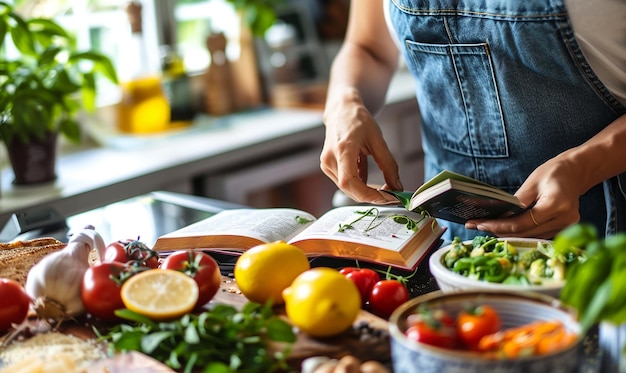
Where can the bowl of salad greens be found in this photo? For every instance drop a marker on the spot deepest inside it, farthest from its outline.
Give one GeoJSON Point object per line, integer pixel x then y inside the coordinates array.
{"type": "Point", "coordinates": [503, 264]}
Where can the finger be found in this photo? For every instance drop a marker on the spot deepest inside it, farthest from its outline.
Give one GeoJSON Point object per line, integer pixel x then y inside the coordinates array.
{"type": "Point", "coordinates": [530, 223]}
{"type": "Point", "coordinates": [351, 176]}
{"type": "Point", "coordinates": [387, 164]}
{"type": "Point", "coordinates": [328, 165]}
{"type": "Point", "coordinates": [358, 191]}
{"type": "Point", "coordinates": [362, 167]}
{"type": "Point", "coordinates": [389, 199]}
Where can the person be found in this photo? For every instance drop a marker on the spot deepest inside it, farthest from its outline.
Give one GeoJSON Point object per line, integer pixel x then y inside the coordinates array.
{"type": "Point", "coordinates": [529, 96]}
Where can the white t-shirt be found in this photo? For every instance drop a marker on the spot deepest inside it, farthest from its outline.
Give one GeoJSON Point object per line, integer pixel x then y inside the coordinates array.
{"type": "Point", "coordinates": [600, 29]}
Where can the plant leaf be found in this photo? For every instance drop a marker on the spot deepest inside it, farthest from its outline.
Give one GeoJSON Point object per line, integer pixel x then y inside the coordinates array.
{"type": "Point", "coordinates": [150, 342]}
{"type": "Point", "coordinates": [281, 331]}
{"type": "Point", "coordinates": [21, 36]}
{"type": "Point", "coordinates": [128, 341]}
{"type": "Point", "coordinates": [191, 335]}
{"type": "Point", "coordinates": [129, 315]}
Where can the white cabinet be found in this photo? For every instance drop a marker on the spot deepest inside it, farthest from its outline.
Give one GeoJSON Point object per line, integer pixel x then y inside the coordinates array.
{"type": "Point", "coordinates": [290, 180]}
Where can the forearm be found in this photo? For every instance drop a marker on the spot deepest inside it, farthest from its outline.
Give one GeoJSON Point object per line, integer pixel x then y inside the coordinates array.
{"type": "Point", "coordinates": [601, 157]}
{"type": "Point", "coordinates": [366, 61]}
{"type": "Point", "coordinates": [356, 76]}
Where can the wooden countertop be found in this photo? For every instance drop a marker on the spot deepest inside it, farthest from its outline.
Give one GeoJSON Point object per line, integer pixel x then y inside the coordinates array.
{"type": "Point", "coordinates": [367, 340]}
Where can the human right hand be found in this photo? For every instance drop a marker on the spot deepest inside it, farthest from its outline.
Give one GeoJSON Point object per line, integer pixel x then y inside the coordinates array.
{"type": "Point", "coordinates": [352, 135]}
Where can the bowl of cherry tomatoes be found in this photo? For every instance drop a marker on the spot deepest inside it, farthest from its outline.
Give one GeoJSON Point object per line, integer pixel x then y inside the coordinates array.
{"type": "Point", "coordinates": [484, 332]}
{"type": "Point", "coordinates": [503, 264]}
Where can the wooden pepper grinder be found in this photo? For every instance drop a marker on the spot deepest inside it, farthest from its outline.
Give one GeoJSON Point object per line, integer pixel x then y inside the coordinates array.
{"type": "Point", "coordinates": [219, 97]}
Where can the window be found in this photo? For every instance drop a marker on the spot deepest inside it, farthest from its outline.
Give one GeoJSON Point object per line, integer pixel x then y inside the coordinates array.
{"type": "Point", "coordinates": [184, 25]}
{"type": "Point", "coordinates": [103, 25]}
{"type": "Point", "coordinates": [194, 20]}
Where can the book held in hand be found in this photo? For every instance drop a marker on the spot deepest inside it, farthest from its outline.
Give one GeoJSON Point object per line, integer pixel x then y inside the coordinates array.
{"type": "Point", "coordinates": [378, 234]}
{"type": "Point", "coordinates": [458, 198]}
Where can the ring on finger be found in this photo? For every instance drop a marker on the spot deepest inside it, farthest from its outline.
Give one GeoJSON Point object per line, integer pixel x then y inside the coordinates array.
{"type": "Point", "coordinates": [532, 217]}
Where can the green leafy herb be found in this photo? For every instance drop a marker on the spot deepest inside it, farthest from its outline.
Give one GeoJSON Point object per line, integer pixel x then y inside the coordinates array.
{"type": "Point", "coordinates": [222, 339]}
{"type": "Point", "coordinates": [596, 286]}
{"type": "Point", "coordinates": [370, 212]}
{"type": "Point", "coordinates": [301, 220]}
{"type": "Point", "coordinates": [411, 224]}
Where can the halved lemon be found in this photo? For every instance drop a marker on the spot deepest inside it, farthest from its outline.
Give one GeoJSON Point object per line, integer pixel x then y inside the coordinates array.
{"type": "Point", "coordinates": [160, 294]}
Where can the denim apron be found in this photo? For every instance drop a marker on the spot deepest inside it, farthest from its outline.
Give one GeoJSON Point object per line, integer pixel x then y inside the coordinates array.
{"type": "Point", "coordinates": [502, 87]}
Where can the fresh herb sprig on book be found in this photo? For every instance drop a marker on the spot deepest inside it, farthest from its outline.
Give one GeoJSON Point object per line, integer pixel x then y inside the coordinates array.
{"type": "Point", "coordinates": [383, 235]}
{"type": "Point", "coordinates": [410, 223]}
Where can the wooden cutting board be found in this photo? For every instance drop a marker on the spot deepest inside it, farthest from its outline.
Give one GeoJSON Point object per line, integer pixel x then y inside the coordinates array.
{"type": "Point", "coordinates": [367, 340]}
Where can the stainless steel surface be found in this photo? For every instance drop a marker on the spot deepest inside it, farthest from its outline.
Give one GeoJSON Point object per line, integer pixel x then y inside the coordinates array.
{"type": "Point", "coordinates": [145, 217]}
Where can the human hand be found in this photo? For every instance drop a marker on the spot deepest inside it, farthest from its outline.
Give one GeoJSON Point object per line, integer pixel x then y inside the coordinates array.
{"type": "Point", "coordinates": [553, 192]}
{"type": "Point", "coordinates": [351, 136]}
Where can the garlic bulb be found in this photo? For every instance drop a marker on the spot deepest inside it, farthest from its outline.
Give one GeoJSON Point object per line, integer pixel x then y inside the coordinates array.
{"type": "Point", "coordinates": [55, 282]}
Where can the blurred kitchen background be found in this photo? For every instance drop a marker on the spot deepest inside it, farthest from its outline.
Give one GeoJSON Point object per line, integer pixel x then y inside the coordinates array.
{"type": "Point", "coordinates": [245, 107]}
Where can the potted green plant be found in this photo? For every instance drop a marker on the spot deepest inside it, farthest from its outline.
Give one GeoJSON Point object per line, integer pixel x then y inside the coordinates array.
{"type": "Point", "coordinates": [45, 82]}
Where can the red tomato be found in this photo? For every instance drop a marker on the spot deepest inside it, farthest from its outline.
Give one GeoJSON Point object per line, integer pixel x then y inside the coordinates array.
{"type": "Point", "coordinates": [363, 278]}
{"type": "Point", "coordinates": [433, 333]}
{"type": "Point", "coordinates": [14, 304]}
{"type": "Point", "coordinates": [100, 291]}
{"type": "Point", "coordinates": [125, 251]}
{"type": "Point", "coordinates": [477, 322]}
{"type": "Point", "coordinates": [386, 296]}
{"type": "Point", "coordinates": [201, 267]}
{"type": "Point", "coordinates": [116, 252]}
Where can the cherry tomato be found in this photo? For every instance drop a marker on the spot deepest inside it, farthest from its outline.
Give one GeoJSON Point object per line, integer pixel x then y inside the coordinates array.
{"type": "Point", "coordinates": [477, 322]}
{"type": "Point", "coordinates": [201, 267]}
{"type": "Point", "coordinates": [14, 304]}
{"type": "Point", "coordinates": [101, 287]}
{"type": "Point", "coordinates": [128, 250]}
{"type": "Point", "coordinates": [433, 333]}
{"type": "Point", "coordinates": [363, 278]}
{"type": "Point", "coordinates": [386, 296]}
{"type": "Point", "coordinates": [116, 252]}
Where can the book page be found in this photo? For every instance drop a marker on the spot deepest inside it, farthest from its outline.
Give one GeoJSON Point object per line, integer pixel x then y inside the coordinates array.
{"type": "Point", "coordinates": [444, 175]}
{"type": "Point", "coordinates": [267, 225]}
{"type": "Point", "coordinates": [378, 230]}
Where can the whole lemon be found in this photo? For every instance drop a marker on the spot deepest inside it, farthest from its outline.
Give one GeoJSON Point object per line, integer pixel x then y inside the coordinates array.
{"type": "Point", "coordinates": [322, 302]}
{"type": "Point", "coordinates": [264, 271]}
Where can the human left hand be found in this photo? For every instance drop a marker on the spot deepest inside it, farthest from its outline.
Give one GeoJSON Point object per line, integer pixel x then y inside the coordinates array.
{"type": "Point", "coordinates": [553, 191]}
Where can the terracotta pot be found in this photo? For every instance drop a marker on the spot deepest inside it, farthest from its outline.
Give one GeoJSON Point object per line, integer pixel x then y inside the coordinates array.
{"type": "Point", "coordinates": [34, 162]}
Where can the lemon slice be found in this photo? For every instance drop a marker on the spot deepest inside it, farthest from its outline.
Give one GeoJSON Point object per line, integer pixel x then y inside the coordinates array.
{"type": "Point", "coordinates": [160, 294]}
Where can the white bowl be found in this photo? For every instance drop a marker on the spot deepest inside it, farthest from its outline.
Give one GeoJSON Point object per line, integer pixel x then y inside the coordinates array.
{"type": "Point", "coordinates": [448, 281]}
{"type": "Point", "coordinates": [515, 309]}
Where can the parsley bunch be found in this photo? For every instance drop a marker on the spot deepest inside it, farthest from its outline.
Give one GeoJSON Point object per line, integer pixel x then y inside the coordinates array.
{"type": "Point", "coordinates": [220, 340]}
